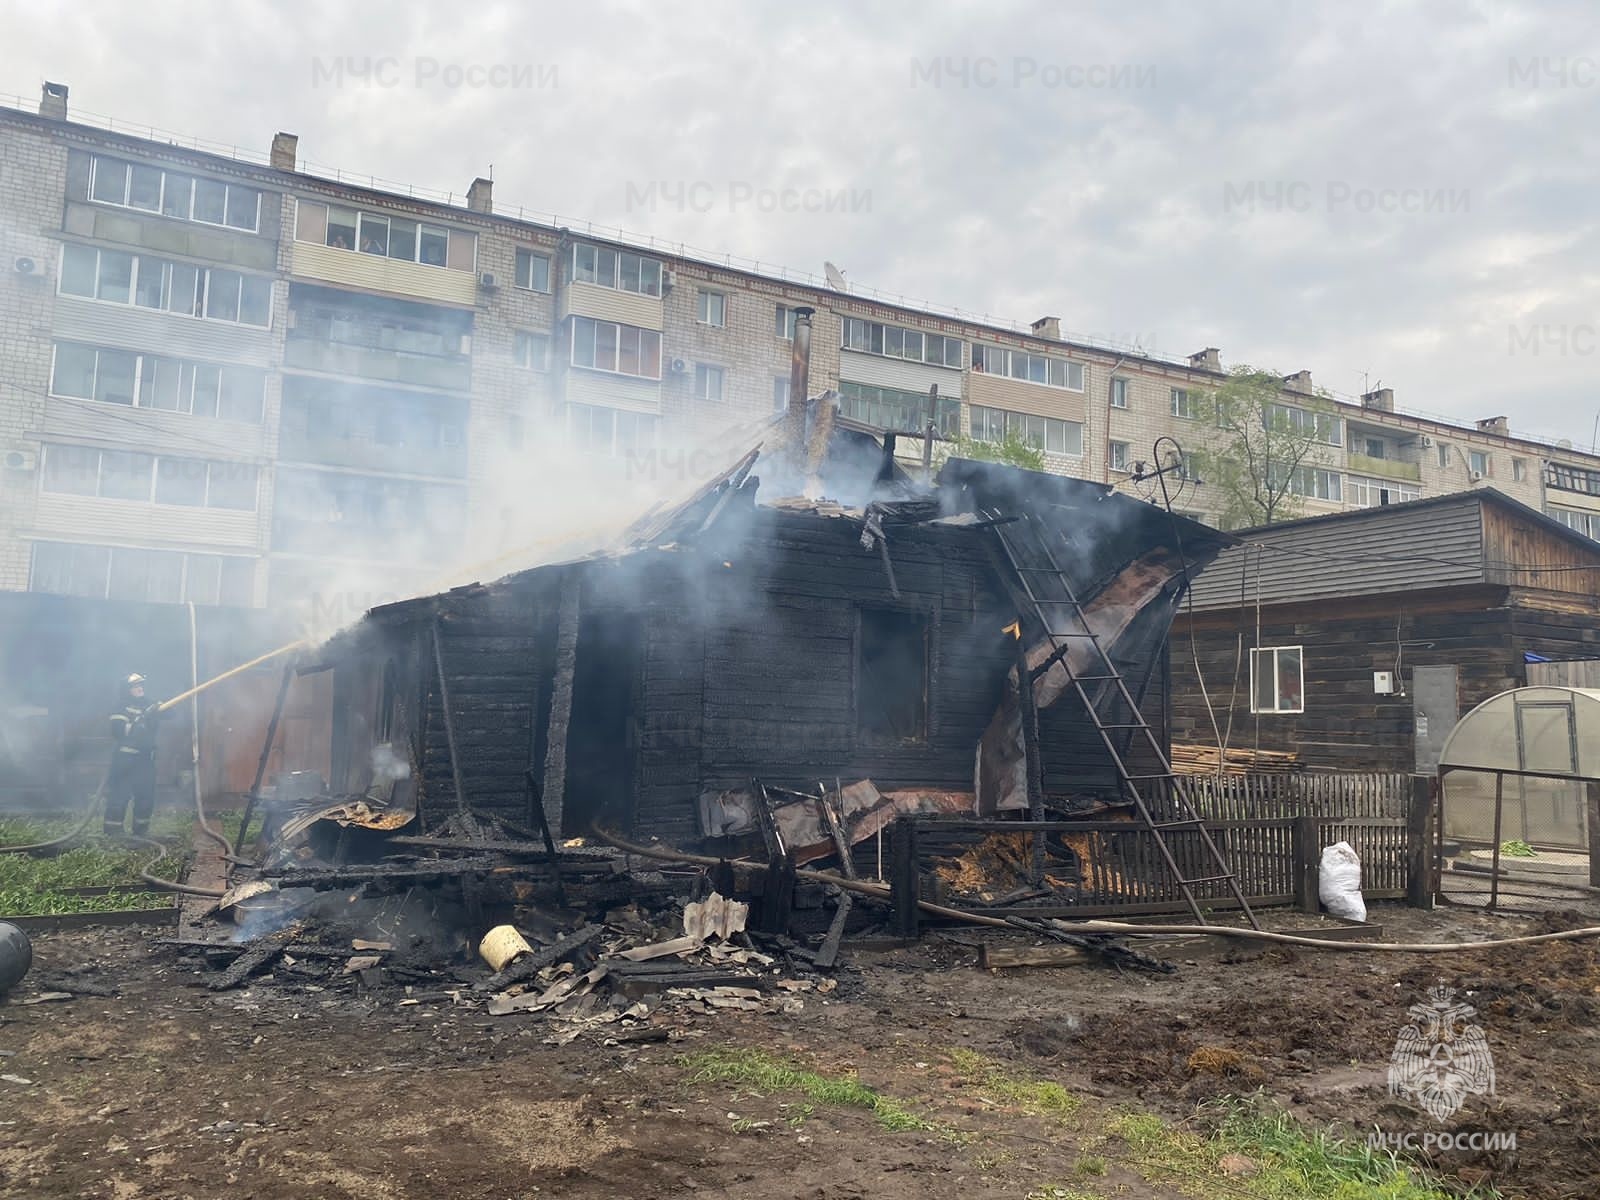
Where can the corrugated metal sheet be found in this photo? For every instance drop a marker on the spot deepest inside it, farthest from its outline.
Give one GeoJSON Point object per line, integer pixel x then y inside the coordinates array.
{"type": "Point", "coordinates": [610, 304]}
{"type": "Point", "coordinates": [149, 429]}
{"type": "Point", "coordinates": [613, 391]}
{"type": "Point", "coordinates": [128, 327]}
{"type": "Point", "coordinates": [373, 273]}
{"type": "Point", "coordinates": [878, 371]}
{"type": "Point", "coordinates": [91, 518]}
{"type": "Point", "coordinates": [1399, 548]}
{"type": "Point", "coordinates": [1015, 395]}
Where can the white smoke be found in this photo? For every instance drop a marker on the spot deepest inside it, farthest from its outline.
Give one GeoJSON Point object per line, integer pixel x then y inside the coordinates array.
{"type": "Point", "coordinates": [387, 766]}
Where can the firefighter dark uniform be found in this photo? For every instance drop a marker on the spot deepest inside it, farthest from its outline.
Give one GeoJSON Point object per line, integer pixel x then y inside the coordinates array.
{"type": "Point", "coordinates": [133, 760]}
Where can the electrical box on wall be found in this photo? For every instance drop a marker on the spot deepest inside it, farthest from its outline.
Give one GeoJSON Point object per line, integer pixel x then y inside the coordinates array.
{"type": "Point", "coordinates": [1383, 683]}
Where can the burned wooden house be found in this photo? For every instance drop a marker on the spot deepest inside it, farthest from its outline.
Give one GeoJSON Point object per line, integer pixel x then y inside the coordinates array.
{"type": "Point", "coordinates": [742, 637]}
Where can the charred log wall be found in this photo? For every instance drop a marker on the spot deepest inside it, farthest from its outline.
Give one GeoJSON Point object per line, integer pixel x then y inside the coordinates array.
{"type": "Point", "coordinates": [753, 669]}
{"type": "Point", "coordinates": [493, 645]}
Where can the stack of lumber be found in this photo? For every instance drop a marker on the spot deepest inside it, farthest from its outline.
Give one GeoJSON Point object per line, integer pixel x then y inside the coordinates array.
{"type": "Point", "coordinates": [1204, 760]}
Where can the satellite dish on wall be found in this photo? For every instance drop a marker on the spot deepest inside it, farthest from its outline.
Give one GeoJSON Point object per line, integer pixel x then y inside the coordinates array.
{"type": "Point", "coordinates": [836, 279]}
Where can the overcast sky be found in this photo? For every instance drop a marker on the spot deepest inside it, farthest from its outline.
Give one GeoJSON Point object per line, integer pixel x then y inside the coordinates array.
{"type": "Point", "coordinates": [1395, 194]}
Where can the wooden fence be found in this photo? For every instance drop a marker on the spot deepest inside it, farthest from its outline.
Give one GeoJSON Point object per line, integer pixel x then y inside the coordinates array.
{"type": "Point", "coordinates": [1270, 830]}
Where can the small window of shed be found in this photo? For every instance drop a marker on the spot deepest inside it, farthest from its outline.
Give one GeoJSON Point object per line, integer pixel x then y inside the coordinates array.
{"type": "Point", "coordinates": [892, 677]}
{"type": "Point", "coordinates": [1277, 680]}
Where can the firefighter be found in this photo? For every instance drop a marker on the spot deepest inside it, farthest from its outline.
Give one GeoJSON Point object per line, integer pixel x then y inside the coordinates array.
{"type": "Point", "coordinates": [133, 760]}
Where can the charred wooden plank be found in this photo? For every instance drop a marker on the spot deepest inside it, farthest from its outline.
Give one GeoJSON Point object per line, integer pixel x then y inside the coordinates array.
{"type": "Point", "coordinates": [829, 953]}
{"type": "Point", "coordinates": [257, 958]}
{"type": "Point", "coordinates": [333, 877]}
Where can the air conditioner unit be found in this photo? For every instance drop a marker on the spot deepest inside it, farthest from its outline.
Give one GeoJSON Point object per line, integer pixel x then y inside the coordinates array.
{"type": "Point", "coordinates": [486, 282]}
{"type": "Point", "coordinates": [23, 265]}
{"type": "Point", "coordinates": [1475, 476]}
{"type": "Point", "coordinates": [677, 366]}
{"type": "Point", "coordinates": [20, 458]}
{"type": "Point", "coordinates": [669, 280]}
{"type": "Point", "coordinates": [1427, 442]}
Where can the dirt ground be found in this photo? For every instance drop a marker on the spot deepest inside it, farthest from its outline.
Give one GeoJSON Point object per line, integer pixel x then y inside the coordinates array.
{"type": "Point", "coordinates": [169, 1090]}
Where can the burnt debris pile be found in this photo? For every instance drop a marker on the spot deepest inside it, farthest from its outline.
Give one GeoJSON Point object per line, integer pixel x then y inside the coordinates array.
{"type": "Point", "coordinates": [349, 904]}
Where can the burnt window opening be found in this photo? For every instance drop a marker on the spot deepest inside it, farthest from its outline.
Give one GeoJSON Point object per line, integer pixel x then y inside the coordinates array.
{"type": "Point", "coordinates": [892, 676]}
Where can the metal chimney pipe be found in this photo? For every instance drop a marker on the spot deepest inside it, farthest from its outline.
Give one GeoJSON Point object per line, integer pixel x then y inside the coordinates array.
{"type": "Point", "coordinates": [799, 381]}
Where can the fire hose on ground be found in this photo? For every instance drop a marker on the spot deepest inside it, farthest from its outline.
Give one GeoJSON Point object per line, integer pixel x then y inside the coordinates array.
{"type": "Point", "coordinates": [882, 891]}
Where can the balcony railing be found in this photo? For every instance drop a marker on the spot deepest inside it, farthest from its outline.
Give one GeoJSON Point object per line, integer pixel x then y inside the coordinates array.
{"type": "Point", "coordinates": [1387, 468]}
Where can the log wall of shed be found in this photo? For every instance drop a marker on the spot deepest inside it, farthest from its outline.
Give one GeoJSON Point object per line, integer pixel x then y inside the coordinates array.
{"type": "Point", "coordinates": [1484, 632]}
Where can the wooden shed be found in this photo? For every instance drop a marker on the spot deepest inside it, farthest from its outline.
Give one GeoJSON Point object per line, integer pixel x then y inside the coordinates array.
{"type": "Point", "coordinates": [795, 641]}
{"type": "Point", "coordinates": [1355, 641]}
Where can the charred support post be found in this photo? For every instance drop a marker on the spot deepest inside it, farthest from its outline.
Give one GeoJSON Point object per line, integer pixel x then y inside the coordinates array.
{"type": "Point", "coordinates": [1030, 750]}
{"type": "Point", "coordinates": [555, 754]}
{"type": "Point", "coordinates": [1419, 845]}
{"type": "Point", "coordinates": [1308, 866]}
{"type": "Point", "coordinates": [537, 808]}
{"type": "Point", "coordinates": [904, 881]}
{"type": "Point", "coordinates": [266, 753]}
{"type": "Point", "coordinates": [1592, 799]}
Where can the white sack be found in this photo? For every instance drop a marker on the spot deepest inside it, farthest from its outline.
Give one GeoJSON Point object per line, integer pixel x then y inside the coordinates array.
{"type": "Point", "coordinates": [1340, 887]}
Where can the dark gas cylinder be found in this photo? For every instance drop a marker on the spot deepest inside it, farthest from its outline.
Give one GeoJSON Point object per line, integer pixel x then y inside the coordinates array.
{"type": "Point", "coordinates": [16, 956]}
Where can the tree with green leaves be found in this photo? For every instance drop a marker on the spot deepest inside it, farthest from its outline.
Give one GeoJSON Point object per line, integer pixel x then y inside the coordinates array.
{"type": "Point", "coordinates": [1014, 451]}
{"type": "Point", "coordinates": [1257, 446]}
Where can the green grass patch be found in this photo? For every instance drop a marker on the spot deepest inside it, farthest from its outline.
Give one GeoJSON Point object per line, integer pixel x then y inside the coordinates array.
{"type": "Point", "coordinates": [42, 886]}
{"type": "Point", "coordinates": [1036, 1097]}
{"type": "Point", "coordinates": [761, 1072]}
{"type": "Point", "coordinates": [1287, 1161]}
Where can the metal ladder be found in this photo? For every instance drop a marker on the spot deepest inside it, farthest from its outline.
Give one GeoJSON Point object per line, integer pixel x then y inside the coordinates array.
{"type": "Point", "coordinates": [1104, 675]}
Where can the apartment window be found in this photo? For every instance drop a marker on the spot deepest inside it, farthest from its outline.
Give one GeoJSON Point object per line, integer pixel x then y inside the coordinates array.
{"type": "Point", "coordinates": [783, 323]}
{"type": "Point", "coordinates": [1587, 524]}
{"type": "Point", "coordinates": [712, 308]}
{"type": "Point", "coordinates": [150, 189]}
{"type": "Point", "coordinates": [1375, 448]}
{"type": "Point", "coordinates": [387, 237]}
{"type": "Point", "coordinates": [892, 677]}
{"type": "Point", "coordinates": [893, 341]}
{"type": "Point", "coordinates": [1032, 368]}
{"type": "Point", "coordinates": [1479, 462]}
{"type": "Point", "coordinates": [211, 292]}
{"type": "Point", "coordinates": [125, 475]}
{"type": "Point", "coordinates": [1323, 427]}
{"type": "Point", "coordinates": [1311, 482]}
{"type": "Point", "coordinates": [1519, 469]}
{"type": "Point", "coordinates": [1182, 404]}
{"type": "Point", "coordinates": [1119, 456]}
{"type": "Point", "coordinates": [1277, 680]}
{"type": "Point", "coordinates": [1444, 454]}
{"type": "Point", "coordinates": [126, 573]}
{"type": "Point", "coordinates": [611, 431]}
{"type": "Point", "coordinates": [533, 271]}
{"type": "Point", "coordinates": [622, 349]}
{"type": "Point", "coordinates": [1572, 479]}
{"type": "Point", "coordinates": [780, 393]}
{"type": "Point", "coordinates": [618, 269]}
{"type": "Point", "coordinates": [708, 382]}
{"type": "Point", "coordinates": [1362, 492]}
{"type": "Point", "coordinates": [531, 350]}
{"type": "Point", "coordinates": [1119, 393]}
{"type": "Point", "coordinates": [1042, 433]}
{"type": "Point", "coordinates": [904, 412]}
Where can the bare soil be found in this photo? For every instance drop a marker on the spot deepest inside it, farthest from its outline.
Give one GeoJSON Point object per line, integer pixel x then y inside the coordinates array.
{"type": "Point", "coordinates": [168, 1090]}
